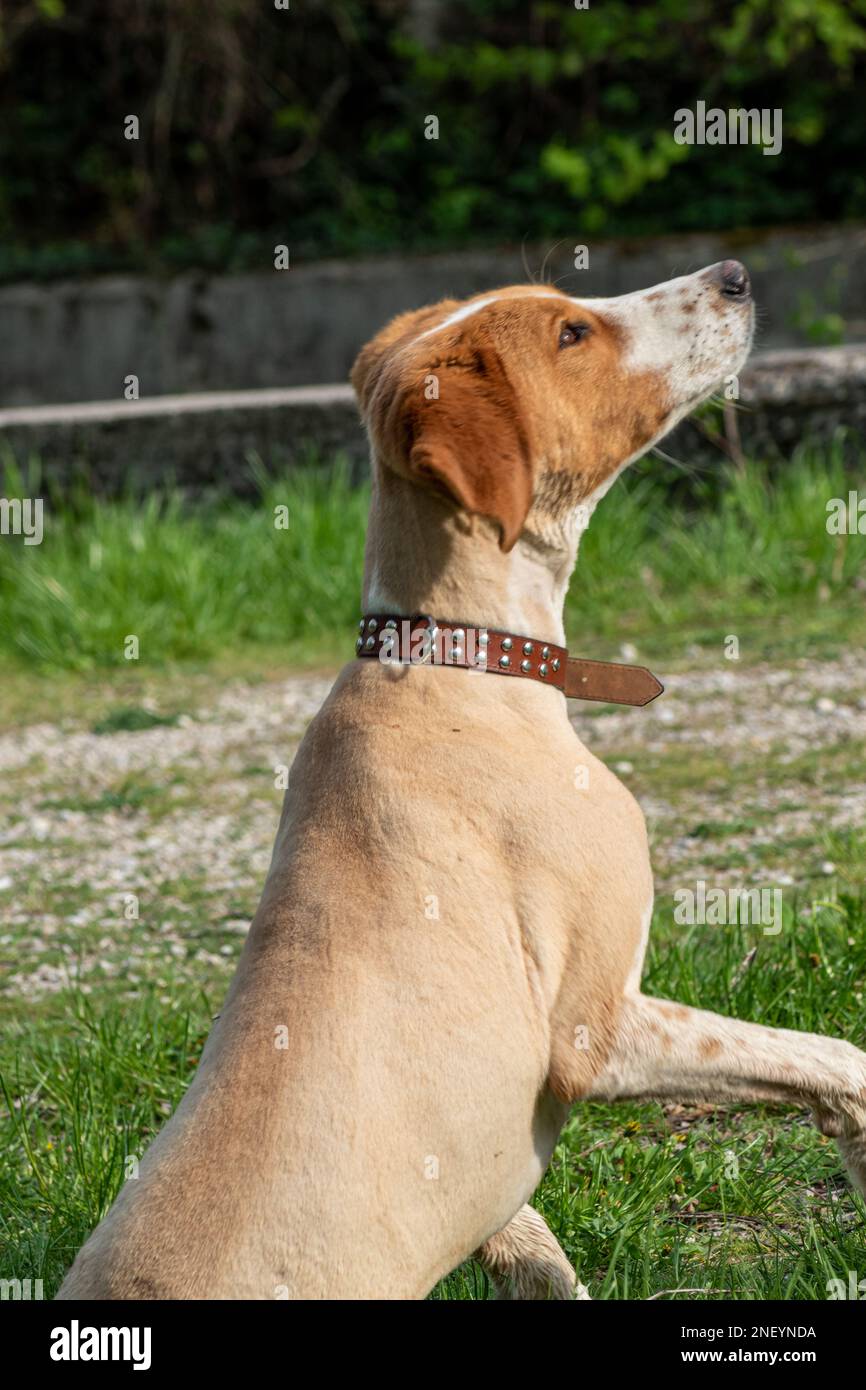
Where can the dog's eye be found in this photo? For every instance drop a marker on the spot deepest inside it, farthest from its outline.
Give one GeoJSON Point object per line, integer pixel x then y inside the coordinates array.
{"type": "Point", "coordinates": [573, 333]}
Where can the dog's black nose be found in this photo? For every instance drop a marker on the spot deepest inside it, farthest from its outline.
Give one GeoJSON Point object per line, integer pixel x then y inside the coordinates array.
{"type": "Point", "coordinates": [734, 280]}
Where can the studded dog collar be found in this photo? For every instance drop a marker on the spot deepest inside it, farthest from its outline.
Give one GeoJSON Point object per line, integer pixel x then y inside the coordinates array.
{"type": "Point", "coordinates": [423, 640]}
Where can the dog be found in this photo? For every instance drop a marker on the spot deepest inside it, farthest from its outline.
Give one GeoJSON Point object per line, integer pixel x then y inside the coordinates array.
{"type": "Point", "coordinates": [448, 950]}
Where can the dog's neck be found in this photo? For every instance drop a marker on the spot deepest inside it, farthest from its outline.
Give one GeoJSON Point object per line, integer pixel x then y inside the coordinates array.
{"type": "Point", "coordinates": [422, 556]}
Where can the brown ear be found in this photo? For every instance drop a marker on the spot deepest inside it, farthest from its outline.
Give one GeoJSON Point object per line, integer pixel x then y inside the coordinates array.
{"type": "Point", "coordinates": [471, 444]}
{"type": "Point", "coordinates": [451, 422]}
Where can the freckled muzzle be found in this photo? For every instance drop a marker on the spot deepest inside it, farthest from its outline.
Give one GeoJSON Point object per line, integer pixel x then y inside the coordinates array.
{"type": "Point", "coordinates": [700, 331]}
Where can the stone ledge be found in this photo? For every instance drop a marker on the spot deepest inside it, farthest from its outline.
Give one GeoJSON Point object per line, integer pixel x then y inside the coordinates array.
{"type": "Point", "coordinates": [206, 439]}
{"type": "Point", "coordinates": [196, 403]}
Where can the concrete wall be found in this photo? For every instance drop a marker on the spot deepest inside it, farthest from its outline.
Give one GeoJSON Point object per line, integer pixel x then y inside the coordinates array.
{"type": "Point", "coordinates": [77, 341]}
{"type": "Point", "coordinates": [205, 441]}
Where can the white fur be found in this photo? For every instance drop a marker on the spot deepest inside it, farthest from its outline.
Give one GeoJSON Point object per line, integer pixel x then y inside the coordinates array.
{"type": "Point", "coordinates": [632, 984]}
{"type": "Point", "coordinates": [476, 305]}
{"type": "Point", "coordinates": [656, 336]}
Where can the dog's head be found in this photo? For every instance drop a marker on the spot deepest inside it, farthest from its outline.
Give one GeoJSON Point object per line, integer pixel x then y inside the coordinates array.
{"type": "Point", "coordinates": [530, 397]}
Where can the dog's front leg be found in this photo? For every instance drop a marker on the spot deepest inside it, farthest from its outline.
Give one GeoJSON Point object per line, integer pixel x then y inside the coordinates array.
{"type": "Point", "coordinates": [666, 1051]}
{"type": "Point", "coordinates": [525, 1261]}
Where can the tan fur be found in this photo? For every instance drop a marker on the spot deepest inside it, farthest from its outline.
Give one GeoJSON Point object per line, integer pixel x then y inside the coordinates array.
{"type": "Point", "coordinates": [448, 947]}
{"type": "Point", "coordinates": [524, 1261]}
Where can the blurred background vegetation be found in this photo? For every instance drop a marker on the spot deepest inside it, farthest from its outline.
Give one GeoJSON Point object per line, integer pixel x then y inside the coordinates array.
{"type": "Point", "coordinates": [306, 125]}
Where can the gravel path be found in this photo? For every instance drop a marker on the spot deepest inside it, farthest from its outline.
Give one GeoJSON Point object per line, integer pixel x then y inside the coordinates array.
{"type": "Point", "coordinates": [741, 771]}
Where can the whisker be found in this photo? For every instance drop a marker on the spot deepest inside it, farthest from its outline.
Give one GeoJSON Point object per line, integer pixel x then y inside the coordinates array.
{"type": "Point", "coordinates": [529, 275]}
{"type": "Point", "coordinates": [690, 467]}
{"type": "Point", "coordinates": [553, 248]}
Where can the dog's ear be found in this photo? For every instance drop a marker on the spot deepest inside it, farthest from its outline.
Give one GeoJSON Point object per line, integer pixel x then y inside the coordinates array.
{"type": "Point", "coordinates": [452, 424]}
{"type": "Point", "coordinates": [466, 438]}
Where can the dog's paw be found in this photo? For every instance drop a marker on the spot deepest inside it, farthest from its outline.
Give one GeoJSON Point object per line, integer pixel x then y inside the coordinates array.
{"type": "Point", "coordinates": [853, 1151]}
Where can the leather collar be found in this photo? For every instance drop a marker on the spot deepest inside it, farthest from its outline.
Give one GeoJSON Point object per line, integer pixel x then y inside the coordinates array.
{"type": "Point", "coordinates": [424, 640]}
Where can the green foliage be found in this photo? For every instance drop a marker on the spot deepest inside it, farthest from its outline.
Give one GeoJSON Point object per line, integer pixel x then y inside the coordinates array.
{"type": "Point", "coordinates": [260, 126]}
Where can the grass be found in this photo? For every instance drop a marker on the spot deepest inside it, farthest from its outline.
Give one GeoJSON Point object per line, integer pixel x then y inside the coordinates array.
{"type": "Point", "coordinates": [131, 719]}
{"type": "Point", "coordinates": [735, 1204]}
{"type": "Point", "coordinates": [189, 582]}
{"type": "Point", "coordinates": [749, 556]}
